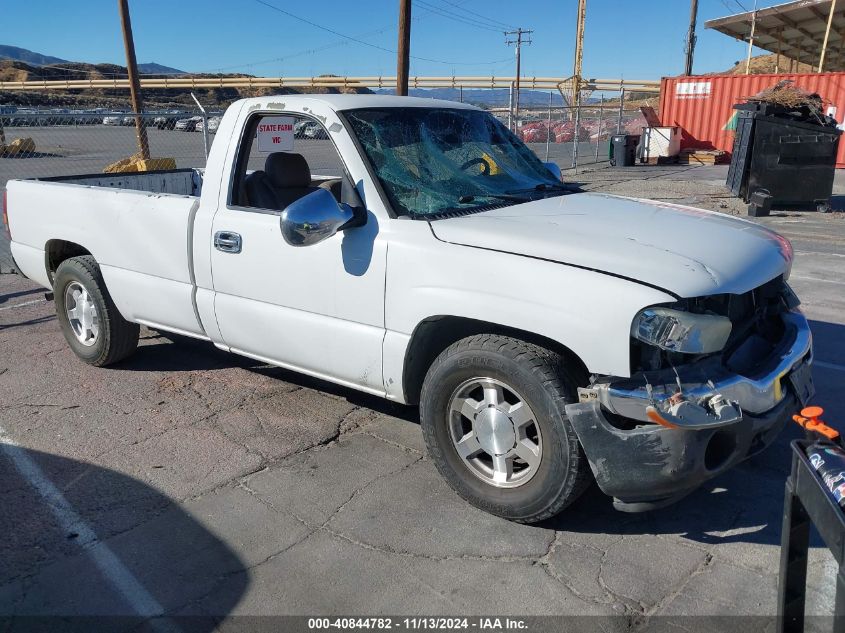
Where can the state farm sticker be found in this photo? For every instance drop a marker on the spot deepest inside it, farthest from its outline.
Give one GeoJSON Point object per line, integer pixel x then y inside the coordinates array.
{"type": "Point", "coordinates": [275, 134]}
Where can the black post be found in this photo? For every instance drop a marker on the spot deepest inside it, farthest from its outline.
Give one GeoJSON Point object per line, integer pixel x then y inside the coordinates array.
{"type": "Point", "coordinates": [795, 540]}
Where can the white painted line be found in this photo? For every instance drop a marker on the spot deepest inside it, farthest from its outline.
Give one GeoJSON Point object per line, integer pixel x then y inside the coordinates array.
{"type": "Point", "coordinates": [126, 584]}
{"type": "Point", "coordinates": [819, 253]}
{"type": "Point", "coordinates": [833, 366]}
{"type": "Point", "coordinates": [25, 303]}
{"type": "Point", "coordinates": [826, 281]}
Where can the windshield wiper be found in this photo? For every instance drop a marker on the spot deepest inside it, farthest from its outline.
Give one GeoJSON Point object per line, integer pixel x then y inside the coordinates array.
{"type": "Point", "coordinates": [466, 199]}
{"type": "Point", "coordinates": [542, 186]}
{"type": "Point", "coordinates": [498, 196]}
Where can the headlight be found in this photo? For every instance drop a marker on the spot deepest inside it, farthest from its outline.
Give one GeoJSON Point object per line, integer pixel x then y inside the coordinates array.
{"type": "Point", "coordinates": [679, 331]}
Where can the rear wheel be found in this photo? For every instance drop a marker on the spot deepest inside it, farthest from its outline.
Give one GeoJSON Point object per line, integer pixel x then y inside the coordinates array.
{"type": "Point", "coordinates": [493, 418]}
{"type": "Point", "coordinates": [90, 322]}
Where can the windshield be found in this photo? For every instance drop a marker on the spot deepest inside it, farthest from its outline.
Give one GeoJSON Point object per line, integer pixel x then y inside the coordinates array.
{"type": "Point", "coordinates": [433, 161]}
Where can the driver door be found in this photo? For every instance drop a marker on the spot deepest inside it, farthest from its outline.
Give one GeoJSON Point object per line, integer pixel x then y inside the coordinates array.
{"type": "Point", "coordinates": [318, 309]}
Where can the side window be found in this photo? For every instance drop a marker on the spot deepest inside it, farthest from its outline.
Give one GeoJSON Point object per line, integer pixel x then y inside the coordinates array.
{"type": "Point", "coordinates": [282, 158]}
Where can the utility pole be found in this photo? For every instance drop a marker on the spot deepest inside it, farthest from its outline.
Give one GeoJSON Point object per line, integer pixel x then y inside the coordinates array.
{"type": "Point", "coordinates": [519, 33]}
{"type": "Point", "coordinates": [134, 84]}
{"type": "Point", "coordinates": [751, 39]}
{"type": "Point", "coordinates": [403, 60]}
{"type": "Point", "coordinates": [579, 53]}
{"type": "Point", "coordinates": [827, 34]}
{"type": "Point", "coordinates": [691, 38]}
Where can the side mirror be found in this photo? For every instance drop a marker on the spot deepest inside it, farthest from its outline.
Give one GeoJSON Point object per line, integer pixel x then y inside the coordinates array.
{"type": "Point", "coordinates": [555, 169]}
{"type": "Point", "coordinates": [316, 217]}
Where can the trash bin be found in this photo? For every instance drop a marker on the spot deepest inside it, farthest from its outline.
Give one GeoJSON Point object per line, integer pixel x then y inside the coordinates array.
{"type": "Point", "coordinates": [788, 157]}
{"type": "Point", "coordinates": [624, 149]}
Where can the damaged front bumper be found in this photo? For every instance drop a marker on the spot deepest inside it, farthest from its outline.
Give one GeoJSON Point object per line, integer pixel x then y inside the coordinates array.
{"type": "Point", "coordinates": [650, 442]}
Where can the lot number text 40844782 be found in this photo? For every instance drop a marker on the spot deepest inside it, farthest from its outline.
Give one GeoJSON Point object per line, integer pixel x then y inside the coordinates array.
{"type": "Point", "coordinates": [493, 624]}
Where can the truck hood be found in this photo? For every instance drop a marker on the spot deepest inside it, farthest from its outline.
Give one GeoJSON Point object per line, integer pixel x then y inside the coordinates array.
{"type": "Point", "coordinates": [689, 252]}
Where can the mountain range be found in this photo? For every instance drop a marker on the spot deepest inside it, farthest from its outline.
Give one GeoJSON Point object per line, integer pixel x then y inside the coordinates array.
{"type": "Point", "coordinates": [32, 58]}
{"type": "Point", "coordinates": [18, 65]}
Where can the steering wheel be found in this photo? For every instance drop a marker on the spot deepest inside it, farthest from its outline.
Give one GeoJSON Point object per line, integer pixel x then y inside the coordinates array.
{"type": "Point", "coordinates": [485, 166]}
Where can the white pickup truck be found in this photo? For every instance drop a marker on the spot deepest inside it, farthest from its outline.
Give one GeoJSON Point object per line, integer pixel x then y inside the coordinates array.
{"type": "Point", "coordinates": [550, 337]}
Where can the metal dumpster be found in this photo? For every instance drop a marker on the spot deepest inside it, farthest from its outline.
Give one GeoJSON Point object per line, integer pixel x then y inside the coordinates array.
{"type": "Point", "coordinates": [783, 155]}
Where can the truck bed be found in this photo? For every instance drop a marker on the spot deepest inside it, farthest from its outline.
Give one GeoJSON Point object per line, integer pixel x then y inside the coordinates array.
{"type": "Point", "coordinates": [185, 182]}
{"type": "Point", "coordinates": [137, 227]}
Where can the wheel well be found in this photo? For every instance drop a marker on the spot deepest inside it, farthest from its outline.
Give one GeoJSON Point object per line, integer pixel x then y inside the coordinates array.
{"type": "Point", "coordinates": [57, 251]}
{"type": "Point", "coordinates": [436, 333]}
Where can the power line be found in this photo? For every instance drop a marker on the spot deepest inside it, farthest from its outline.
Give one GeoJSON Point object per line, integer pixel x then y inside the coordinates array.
{"type": "Point", "coordinates": [458, 18]}
{"type": "Point", "coordinates": [307, 51]}
{"type": "Point", "coordinates": [369, 44]}
{"type": "Point", "coordinates": [732, 9]}
{"type": "Point", "coordinates": [311, 51]}
{"type": "Point", "coordinates": [478, 16]}
{"type": "Point", "coordinates": [345, 38]}
{"type": "Point", "coordinates": [324, 28]}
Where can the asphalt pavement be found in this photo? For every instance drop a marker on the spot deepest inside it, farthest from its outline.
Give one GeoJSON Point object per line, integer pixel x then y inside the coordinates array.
{"type": "Point", "coordinates": [186, 481]}
{"type": "Point", "coordinates": [6, 265]}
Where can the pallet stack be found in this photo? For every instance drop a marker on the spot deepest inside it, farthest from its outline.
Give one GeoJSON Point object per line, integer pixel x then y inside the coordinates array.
{"type": "Point", "coordinates": [692, 156]}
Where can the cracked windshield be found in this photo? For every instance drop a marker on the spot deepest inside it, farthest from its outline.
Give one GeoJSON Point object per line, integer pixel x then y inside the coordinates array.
{"type": "Point", "coordinates": [432, 162]}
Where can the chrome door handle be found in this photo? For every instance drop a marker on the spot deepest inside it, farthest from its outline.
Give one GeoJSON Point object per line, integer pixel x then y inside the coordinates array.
{"type": "Point", "coordinates": [227, 242]}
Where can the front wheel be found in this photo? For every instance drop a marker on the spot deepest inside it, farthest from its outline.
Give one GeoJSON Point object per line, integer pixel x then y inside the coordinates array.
{"type": "Point", "coordinates": [493, 419]}
{"type": "Point", "coordinates": [92, 325]}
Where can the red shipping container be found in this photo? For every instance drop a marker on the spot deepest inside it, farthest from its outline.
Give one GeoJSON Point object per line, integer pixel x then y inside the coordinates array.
{"type": "Point", "coordinates": [702, 106]}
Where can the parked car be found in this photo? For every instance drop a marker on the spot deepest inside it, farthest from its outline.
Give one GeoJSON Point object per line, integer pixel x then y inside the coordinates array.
{"type": "Point", "coordinates": [165, 122]}
{"type": "Point", "coordinates": [550, 337]}
{"type": "Point", "coordinates": [129, 120]}
{"type": "Point", "coordinates": [315, 132]}
{"type": "Point", "coordinates": [299, 127]}
{"type": "Point", "coordinates": [309, 130]}
{"type": "Point", "coordinates": [113, 120]}
{"type": "Point", "coordinates": [88, 117]}
{"type": "Point", "coordinates": [187, 125]}
{"type": "Point", "coordinates": [213, 123]}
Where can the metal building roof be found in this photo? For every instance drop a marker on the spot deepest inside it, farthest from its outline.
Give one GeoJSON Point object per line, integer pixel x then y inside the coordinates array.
{"type": "Point", "coordinates": [794, 29]}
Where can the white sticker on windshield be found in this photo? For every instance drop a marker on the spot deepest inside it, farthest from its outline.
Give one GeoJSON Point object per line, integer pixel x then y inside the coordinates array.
{"type": "Point", "coordinates": [275, 134]}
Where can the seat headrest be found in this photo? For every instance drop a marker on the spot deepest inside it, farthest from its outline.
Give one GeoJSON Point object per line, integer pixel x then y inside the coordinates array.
{"type": "Point", "coordinates": [286, 169]}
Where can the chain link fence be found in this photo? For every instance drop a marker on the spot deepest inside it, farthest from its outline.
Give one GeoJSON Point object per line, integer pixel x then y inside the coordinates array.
{"type": "Point", "coordinates": [44, 144]}
{"type": "Point", "coordinates": [568, 135]}
{"type": "Point", "coordinates": [65, 143]}
{"type": "Point", "coordinates": [47, 144]}
{"type": "Point", "coordinates": [55, 143]}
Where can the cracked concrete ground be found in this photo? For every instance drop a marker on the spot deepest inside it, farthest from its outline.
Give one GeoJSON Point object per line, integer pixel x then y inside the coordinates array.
{"type": "Point", "coordinates": [227, 487]}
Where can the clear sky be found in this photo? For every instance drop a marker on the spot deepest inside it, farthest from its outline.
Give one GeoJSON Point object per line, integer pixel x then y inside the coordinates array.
{"type": "Point", "coordinates": [635, 39]}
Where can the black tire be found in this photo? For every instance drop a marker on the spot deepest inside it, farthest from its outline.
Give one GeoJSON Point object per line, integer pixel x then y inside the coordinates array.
{"type": "Point", "coordinates": [117, 338]}
{"type": "Point", "coordinates": [544, 382]}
